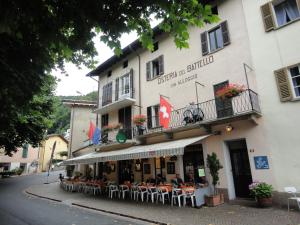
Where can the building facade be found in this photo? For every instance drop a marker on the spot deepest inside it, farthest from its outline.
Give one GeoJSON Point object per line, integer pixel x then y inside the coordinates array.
{"type": "Point", "coordinates": [254, 134]}
{"type": "Point", "coordinates": [25, 158]}
{"type": "Point", "coordinates": [45, 151]}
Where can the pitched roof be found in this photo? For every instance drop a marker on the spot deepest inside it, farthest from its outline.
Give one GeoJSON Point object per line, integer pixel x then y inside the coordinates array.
{"type": "Point", "coordinates": [57, 135]}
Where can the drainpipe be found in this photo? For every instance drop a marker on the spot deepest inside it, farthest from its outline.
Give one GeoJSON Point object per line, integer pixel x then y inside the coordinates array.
{"type": "Point", "coordinates": [139, 75]}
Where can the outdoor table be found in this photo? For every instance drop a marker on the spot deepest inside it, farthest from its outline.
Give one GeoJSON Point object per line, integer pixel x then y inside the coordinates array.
{"type": "Point", "coordinates": [200, 195]}
{"type": "Point", "coordinates": [168, 188]}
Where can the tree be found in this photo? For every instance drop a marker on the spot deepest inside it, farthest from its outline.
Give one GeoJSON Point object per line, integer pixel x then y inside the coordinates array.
{"type": "Point", "coordinates": [214, 165]}
{"type": "Point", "coordinates": [37, 36]}
{"type": "Point", "coordinates": [29, 123]}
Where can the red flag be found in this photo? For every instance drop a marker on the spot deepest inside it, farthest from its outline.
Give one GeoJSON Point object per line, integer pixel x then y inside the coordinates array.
{"type": "Point", "coordinates": [164, 113]}
{"type": "Point", "coordinates": [91, 131]}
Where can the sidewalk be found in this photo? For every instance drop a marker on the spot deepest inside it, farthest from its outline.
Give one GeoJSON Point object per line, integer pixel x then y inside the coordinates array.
{"type": "Point", "coordinates": [225, 214]}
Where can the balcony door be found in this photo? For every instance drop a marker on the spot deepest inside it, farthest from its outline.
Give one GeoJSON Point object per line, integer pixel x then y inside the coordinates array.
{"type": "Point", "coordinates": [223, 106]}
{"type": "Point", "coordinates": [125, 120]}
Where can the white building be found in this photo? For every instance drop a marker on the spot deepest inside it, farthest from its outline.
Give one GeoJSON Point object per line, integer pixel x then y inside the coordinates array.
{"type": "Point", "coordinates": [256, 45]}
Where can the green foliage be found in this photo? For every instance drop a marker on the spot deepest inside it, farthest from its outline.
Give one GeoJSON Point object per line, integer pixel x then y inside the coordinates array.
{"type": "Point", "coordinates": [261, 190]}
{"type": "Point", "coordinates": [28, 124]}
{"type": "Point", "coordinates": [17, 171]}
{"type": "Point", "coordinates": [38, 36]}
{"type": "Point", "coordinates": [63, 153]}
{"type": "Point", "coordinates": [214, 165]}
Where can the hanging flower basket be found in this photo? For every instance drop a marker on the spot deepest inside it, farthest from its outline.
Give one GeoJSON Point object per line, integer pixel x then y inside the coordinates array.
{"type": "Point", "coordinates": [111, 127]}
{"type": "Point", "coordinates": [230, 91]}
{"type": "Point", "coordinates": [139, 119]}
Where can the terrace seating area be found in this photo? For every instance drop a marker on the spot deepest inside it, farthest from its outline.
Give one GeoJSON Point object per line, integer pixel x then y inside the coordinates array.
{"type": "Point", "coordinates": [163, 193]}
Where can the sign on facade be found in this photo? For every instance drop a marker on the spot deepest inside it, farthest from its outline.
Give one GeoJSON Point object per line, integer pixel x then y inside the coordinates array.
{"type": "Point", "coordinates": [261, 162]}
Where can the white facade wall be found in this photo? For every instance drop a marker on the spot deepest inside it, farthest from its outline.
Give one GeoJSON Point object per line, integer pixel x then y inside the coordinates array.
{"type": "Point", "coordinates": [280, 123]}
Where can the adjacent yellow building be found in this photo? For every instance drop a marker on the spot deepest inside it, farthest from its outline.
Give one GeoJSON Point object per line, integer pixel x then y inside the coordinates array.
{"type": "Point", "coordinates": [45, 151]}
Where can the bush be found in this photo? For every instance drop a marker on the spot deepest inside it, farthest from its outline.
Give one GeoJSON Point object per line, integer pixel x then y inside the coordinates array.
{"type": "Point", "coordinates": [260, 190]}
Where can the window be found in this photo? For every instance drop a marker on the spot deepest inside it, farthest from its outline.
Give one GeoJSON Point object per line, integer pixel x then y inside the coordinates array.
{"type": "Point", "coordinates": [155, 68]}
{"type": "Point", "coordinates": [295, 79]}
{"type": "Point", "coordinates": [25, 151]}
{"type": "Point", "coordinates": [215, 39]}
{"type": "Point", "coordinates": [124, 86]}
{"type": "Point", "coordinates": [286, 11]}
{"type": "Point", "coordinates": [155, 46]}
{"type": "Point", "coordinates": [109, 73]}
{"type": "Point", "coordinates": [104, 120]}
{"type": "Point", "coordinates": [107, 94]}
{"type": "Point", "coordinates": [125, 64]}
{"type": "Point", "coordinates": [153, 116]}
{"type": "Point", "coordinates": [279, 12]}
{"type": "Point", "coordinates": [214, 10]}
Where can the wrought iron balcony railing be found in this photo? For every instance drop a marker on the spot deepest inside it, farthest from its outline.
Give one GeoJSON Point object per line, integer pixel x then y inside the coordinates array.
{"type": "Point", "coordinates": [207, 112]}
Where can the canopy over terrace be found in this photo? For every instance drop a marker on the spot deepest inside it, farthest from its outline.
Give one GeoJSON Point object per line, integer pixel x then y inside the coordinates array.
{"type": "Point", "coordinates": [169, 148]}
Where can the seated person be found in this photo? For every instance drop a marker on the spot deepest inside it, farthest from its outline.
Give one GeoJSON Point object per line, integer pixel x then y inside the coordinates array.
{"type": "Point", "coordinates": [159, 179]}
{"type": "Point", "coordinates": [150, 180]}
{"type": "Point", "coordinates": [190, 178]}
{"type": "Point", "coordinates": [177, 181]}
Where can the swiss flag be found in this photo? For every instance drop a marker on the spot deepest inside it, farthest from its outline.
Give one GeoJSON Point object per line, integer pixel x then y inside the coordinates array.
{"type": "Point", "coordinates": [164, 112]}
{"type": "Point", "coordinates": [91, 131]}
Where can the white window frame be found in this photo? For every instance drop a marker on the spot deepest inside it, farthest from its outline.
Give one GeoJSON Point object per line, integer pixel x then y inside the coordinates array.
{"type": "Point", "coordinates": [277, 2]}
{"type": "Point", "coordinates": [291, 81]}
{"type": "Point", "coordinates": [208, 39]}
{"type": "Point", "coordinates": [122, 83]}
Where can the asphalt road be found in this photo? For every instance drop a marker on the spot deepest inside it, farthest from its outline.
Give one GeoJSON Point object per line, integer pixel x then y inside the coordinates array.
{"type": "Point", "coordinates": [17, 208]}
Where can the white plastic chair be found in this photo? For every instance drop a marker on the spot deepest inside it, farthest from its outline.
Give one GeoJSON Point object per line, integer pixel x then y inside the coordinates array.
{"type": "Point", "coordinates": [162, 194]}
{"type": "Point", "coordinates": [293, 192]}
{"type": "Point", "coordinates": [152, 192]}
{"type": "Point", "coordinates": [189, 195]}
{"type": "Point", "coordinates": [142, 191]}
{"type": "Point", "coordinates": [176, 195]}
{"type": "Point", "coordinates": [113, 189]}
{"type": "Point", "coordinates": [123, 190]}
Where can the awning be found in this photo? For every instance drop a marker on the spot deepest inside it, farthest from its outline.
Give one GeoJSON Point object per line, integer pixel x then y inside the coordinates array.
{"type": "Point", "coordinates": [169, 148]}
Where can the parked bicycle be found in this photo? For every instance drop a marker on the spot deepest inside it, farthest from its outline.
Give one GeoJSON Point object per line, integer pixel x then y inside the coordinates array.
{"type": "Point", "coordinates": [192, 114]}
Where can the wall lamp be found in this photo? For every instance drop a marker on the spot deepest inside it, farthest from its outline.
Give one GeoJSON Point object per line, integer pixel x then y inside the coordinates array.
{"type": "Point", "coordinates": [229, 128]}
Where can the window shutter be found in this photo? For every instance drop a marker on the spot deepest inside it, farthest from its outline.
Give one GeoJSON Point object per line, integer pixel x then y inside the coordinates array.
{"type": "Point", "coordinates": [117, 90]}
{"type": "Point", "coordinates": [266, 11]}
{"type": "Point", "coordinates": [149, 117]}
{"type": "Point", "coordinates": [225, 33]}
{"type": "Point", "coordinates": [204, 44]}
{"type": "Point", "coordinates": [161, 64]}
{"type": "Point", "coordinates": [109, 93]}
{"type": "Point", "coordinates": [131, 83]}
{"type": "Point", "coordinates": [282, 80]}
{"type": "Point", "coordinates": [148, 71]}
{"type": "Point", "coordinates": [104, 94]}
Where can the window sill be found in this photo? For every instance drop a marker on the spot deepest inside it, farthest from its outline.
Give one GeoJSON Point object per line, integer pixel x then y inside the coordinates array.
{"type": "Point", "coordinates": [284, 25]}
{"type": "Point", "coordinates": [217, 50]}
{"type": "Point", "coordinates": [155, 77]}
{"type": "Point", "coordinates": [295, 99]}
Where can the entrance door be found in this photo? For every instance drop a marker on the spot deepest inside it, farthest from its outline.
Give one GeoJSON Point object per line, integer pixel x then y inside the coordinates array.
{"type": "Point", "coordinates": [240, 167]}
{"type": "Point", "coordinates": [223, 106]}
{"type": "Point", "coordinates": [125, 119]}
{"type": "Point", "coordinates": [125, 171]}
{"type": "Point", "coordinates": [192, 161]}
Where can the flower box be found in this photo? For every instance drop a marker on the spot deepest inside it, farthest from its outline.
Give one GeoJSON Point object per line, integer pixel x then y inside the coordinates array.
{"type": "Point", "coordinates": [230, 91]}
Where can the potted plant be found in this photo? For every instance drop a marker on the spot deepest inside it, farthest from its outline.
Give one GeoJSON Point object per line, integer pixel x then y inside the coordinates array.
{"type": "Point", "coordinates": [262, 192]}
{"type": "Point", "coordinates": [139, 121]}
{"type": "Point", "coordinates": [214, 165]}
{"type": "Point", "coordinates": [230, 91]}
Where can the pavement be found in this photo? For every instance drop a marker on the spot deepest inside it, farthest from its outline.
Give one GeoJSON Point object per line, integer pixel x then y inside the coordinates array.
{"type": "Point", "coordinates": [226, 214]}
{"type": "Point", "coordinates": [18, 208]}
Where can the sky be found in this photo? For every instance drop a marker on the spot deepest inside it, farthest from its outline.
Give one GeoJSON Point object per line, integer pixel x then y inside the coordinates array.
{"type": "Point", "coordinates": [76, 83]}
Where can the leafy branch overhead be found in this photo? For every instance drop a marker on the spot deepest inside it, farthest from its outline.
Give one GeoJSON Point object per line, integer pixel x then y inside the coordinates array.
{"type": "Point", "coordinates": [38, 36]}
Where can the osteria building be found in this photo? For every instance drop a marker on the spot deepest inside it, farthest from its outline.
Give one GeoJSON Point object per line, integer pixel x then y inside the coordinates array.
{"type": "Point", "coordinates": [254, 134]}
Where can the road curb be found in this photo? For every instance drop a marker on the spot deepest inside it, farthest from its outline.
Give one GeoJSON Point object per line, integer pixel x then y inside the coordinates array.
{"type": "Point", "coordinates": [99, 210]}
{"type": "Point", "coordinates": [120, 214]}
{"type": "Point", "coordinates": [52, 199]}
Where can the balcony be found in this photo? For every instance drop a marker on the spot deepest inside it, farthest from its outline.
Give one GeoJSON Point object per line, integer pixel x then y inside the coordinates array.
{"type": "Point", "coordinates": [123, 99]}
{"type": "Point", "coordinates": [208, 113]}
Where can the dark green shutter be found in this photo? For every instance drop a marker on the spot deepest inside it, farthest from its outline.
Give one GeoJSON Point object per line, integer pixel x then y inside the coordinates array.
{"type": "Point", "coordinates": [161, 64]}
{"type": "Point", "coordinates": [25, 151]}
{"type": "Point", "coordinates": [149, 117]}
{"type": "Point", "coordinates": [148, 70]}
{"type": "Point", "coordinates": [204, 44]}
{"type": "Point", "coordinates": [131, 83]}
{"type": "Point", "coordinates": [117, 90]}
{"type": "Point", "coordinates": [225, 33]}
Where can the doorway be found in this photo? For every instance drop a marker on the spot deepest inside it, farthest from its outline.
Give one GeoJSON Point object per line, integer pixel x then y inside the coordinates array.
{"type": "Point", "coordinates": [125, 171]}
{"type": "Point", "coordinates": [125, 120]}
{"type": "Point", "coordinates": [223, 106]}
{"type": "Point", "coordinates": [240, 165]}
